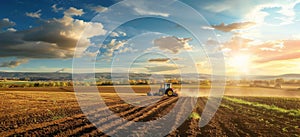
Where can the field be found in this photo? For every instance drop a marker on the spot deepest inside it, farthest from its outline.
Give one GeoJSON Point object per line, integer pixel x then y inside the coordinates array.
{"type": "Point", "coordinates": [55, 112]}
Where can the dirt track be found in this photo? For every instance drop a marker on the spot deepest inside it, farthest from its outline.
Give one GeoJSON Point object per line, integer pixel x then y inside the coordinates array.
{"type": "Point", "coordinates": [58, 114]}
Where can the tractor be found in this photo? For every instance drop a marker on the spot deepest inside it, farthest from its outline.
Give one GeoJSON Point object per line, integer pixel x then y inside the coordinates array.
{"type": "Point", "coordinates": [166, 88]}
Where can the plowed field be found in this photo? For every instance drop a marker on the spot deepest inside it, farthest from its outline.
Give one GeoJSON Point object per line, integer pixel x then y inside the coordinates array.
{"type": "Point", "coordinates": [57, 113]}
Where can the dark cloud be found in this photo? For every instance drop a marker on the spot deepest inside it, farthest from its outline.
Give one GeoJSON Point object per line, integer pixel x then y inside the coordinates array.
{"type": "Point", "coordinates": [6, 23]}
{"type": "Point", "coordinates": [54, 38]}
{"type": "Point", "coordinates": [233, 26]}
{"type": "Point", "coordinates": [173, 44]}
{"type": "Point", "coordinates": [14, 63]}
{"type": "Point", "coordinates": [159, 60]}
{"type": "Point", "coordinates": [162, 68]}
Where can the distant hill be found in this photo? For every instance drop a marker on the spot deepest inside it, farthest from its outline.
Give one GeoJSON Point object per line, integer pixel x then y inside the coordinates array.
{"type": "Point", "coordinates": [36, 76]}
{"type": "Point", "coordinates": [285, 76]}
{"type": "Point", "coordinates": [68, 76]}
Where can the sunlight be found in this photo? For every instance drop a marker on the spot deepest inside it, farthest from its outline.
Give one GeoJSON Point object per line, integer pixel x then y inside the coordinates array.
{"type": "Point", "coordinates": [240, 63]}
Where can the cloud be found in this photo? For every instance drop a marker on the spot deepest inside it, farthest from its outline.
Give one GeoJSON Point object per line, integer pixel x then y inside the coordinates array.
{"type": "Point", "coordinates": [159, 60]}
{"type": "Point", "coordinates": [148, 12]}
{"type": "Point", "coordinates": [73, 12]}
{"type": "Point", "coordinates": [147, 8]}
{"type": "Point", "coordinates": [54, 38]}
{"type": "Point", "coordinates": [262, 52]}
{"type": "Point", "coordinates": [98, 8]}
{"type": "Point", "coordinates": [107, 50]}
{"type": "Point", "coordinates": [118, 34]}
{"type": "Point", "coordinates": [36, 14]}
{"type": "Point", "coordinates": [61, 70]}
{"type": "Point", "coordinates": [287, 12]}
{"type": "Point", "coordinates": [236, 45]}
{"type": "Point", "coordinates": [55, 9]}
{"type": "Point", "coordinates": [14, 63]}
{"type": "Point", "coordinates": [162, 68]}
{"type": "Point", "coordinates": [207, 28]}
{"type": "Point", "coordinates": [286, 56]}
{"type": "Point", "coordinates": [5, 22]}
{"type": "Point", "coordinates": [173, 44]}
{"type": "Point", "coordinates": [11, 29]}
{"type": "Point", "coordinates": [234, 26]}
{"type": "Point", "coordinates": [114, 34]}
{"type": "Point", "coordinates": [252, 10]}
{"type": "Point", "coordinates": [212, 42]}
{"type": "Point", "coordinates": [277, 51]}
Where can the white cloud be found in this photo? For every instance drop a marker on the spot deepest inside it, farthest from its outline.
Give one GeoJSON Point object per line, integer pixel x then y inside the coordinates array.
{"type": "Point", "coordinates": [147, 8]}
{"type": "Point", "coordinates": [252, 10]}
{"type": "Point", "coordinates": [111, 47]}
{"type": "Point", "coordinates": [55, 9]}
{"type": "Point", "coordinates": [148, 12]}
{"type": "Point", "coordinates": [286, 9]}
{"type": "Point", "coordinates": [114, 34]}
{"type": "Point", "coordinates": [98, 8]}
{"type": "Point", "coordinates": [207, 28]}
{"type": "Point", "coordinates": [11, 29]}
{"type": "Point", "coordinates": [173, 44]}
{"type": "Point", "coordinates": [74, 12]}
{"type": "Point", "coordinates": [127, 49]}
{"type": "Point", "coordinates": [118, 34]}
{"type": "Point", "coordinates": [36, 14]}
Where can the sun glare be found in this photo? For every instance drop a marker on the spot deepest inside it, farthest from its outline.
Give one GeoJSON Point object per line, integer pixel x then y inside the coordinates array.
{"type": "Point", "coordinates": [240, 63]}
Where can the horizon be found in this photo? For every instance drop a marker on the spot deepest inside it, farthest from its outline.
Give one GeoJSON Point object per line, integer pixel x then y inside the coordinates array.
{"type": "Point", "coordinates": [147, 73]}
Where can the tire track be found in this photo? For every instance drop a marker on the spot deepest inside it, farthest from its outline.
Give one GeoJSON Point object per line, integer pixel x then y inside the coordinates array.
{"type": "Point", "coordinates": [179, 112]}
{"type": "Point", "coordinates": [176, 132]}
{"type": "Point", "coordinates": [190, 126]}
{"type": "Point", "coordinates": [91, 127]}
{"type": "Point", "coordinates": [113, 125]}
{"type": "Point", "coordinates": [39, 127]}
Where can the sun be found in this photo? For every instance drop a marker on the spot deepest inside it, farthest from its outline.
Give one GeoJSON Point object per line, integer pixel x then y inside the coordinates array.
{"type": "Point", "coordinates": [240, 63]}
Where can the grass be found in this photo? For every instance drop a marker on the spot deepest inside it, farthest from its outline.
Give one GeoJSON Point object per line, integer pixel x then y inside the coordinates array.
{"type": "Point", "coordinates": [285, 129]}
{"type": "Point", "coordinates": [226, 106]}
{"type": "Point", "coordinates": [194, 115]}
{"type": "Point", "coordinates": [291, 112]}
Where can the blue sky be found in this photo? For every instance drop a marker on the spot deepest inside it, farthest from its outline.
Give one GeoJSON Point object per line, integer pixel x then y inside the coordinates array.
{"type": "Point", "coordinates": [254, 37]}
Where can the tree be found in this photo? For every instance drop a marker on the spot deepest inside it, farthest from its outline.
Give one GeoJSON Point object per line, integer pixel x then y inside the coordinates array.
{"type": "Point", "coordinates": [279, 81]}
{"type": "Point", "coordinates": [36, 84]}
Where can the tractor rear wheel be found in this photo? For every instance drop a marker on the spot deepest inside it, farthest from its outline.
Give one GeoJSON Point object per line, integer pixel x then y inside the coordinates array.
{"type": "Point", "coordinates": [169, 92]}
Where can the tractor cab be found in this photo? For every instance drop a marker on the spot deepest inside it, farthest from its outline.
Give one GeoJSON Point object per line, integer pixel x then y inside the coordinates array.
{"type": "Point", "coordinates": [167, 85]}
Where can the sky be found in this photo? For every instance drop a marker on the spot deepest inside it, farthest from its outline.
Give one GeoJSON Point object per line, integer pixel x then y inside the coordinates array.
{"type": "Point", "coordinates": [250, 37]}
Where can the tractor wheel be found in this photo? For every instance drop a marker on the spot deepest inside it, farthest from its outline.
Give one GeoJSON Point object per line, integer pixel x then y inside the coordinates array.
{"type": "Point", "coordinates": [169, 92]}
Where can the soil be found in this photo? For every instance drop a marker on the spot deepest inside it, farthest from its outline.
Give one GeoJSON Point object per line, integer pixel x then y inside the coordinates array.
{"type": "Point", "coordinates": [30, 112]}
